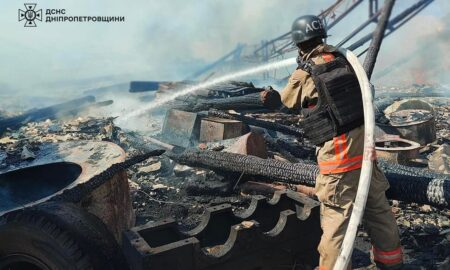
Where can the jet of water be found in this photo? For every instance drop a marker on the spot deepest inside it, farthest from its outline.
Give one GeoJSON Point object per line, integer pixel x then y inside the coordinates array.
{"type": "Point", "coordinates": [191, 89]}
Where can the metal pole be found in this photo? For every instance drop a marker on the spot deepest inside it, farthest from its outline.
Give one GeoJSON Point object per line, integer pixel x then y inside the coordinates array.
{"type": "Point", "coordinates": [373, 18]}
{"type": "Point", "coordinates": [392, 27]}
{"type": "Point", "coordinates": [392, 23]}
{"type": "Point", "coordinates": [370, 8]}
{"type": "Point", "coordinates": [346, 12]}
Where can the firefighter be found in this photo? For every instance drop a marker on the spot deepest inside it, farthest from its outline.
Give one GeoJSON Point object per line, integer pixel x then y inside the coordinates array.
{"type": "Point", "coordinates": [325, 90]}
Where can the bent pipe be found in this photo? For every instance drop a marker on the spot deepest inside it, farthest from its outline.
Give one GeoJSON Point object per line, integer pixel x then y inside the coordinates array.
{"type": "Point", "coordinates": [419, 187]}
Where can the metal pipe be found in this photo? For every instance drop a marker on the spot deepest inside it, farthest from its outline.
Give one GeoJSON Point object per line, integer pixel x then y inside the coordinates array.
{"type": "Point", "coordinates": [370, 8]}
{"type": "Point", "coordinates": [405, 20]}
{"type": "Point", "coordinates": [391, 23]}
{"type": "Point", "coordinates": [272, 41]}
{"type": "Point", "coordinates": [357, 30]}
{"type": "Point", "coordinates": [345, 13]}
{"type": "Point", "coordinates": [322, 14]}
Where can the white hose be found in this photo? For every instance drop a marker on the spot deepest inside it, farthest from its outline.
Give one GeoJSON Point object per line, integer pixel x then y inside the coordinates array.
{"type": "Point", "coordinates": [367, 164]}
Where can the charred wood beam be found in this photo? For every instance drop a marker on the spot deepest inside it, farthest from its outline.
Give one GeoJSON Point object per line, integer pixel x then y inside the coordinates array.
{"type": "Point", "coordinates": [409, 171]}
{"type": "Point", "coordinates": [51, 112]}
{"type": "Point", "coordinates": [221, 90]}
{"type": "Point", "coordinates": [427, 188]}
{"type": "Point", "coordinates": [250, 165]}
{"type": "Point", "coordinates": [259, 123]}
{"type": "Point", "coordinates": [251, 101]}
{"type": "Point", "coordinates": [230, 89]}
{"type": "Point", "coordinates": [266, 99]}
{"type": "Point", "coordinates": [378, 35]}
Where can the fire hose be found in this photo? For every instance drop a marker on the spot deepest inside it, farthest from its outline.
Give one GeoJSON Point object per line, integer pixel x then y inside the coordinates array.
{"type": "Point", "coordinates": [305, 172]}
{"type": "Point", "coordinates": [367, 165]}
{"type": "Point", "coordinates": [366, 170]}
{"type": "Point", "coordinates": [363, 74]}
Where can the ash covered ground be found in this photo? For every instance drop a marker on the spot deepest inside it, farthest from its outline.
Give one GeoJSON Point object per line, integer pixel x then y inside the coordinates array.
{"type": "Point", "coordinates": [161, 188]}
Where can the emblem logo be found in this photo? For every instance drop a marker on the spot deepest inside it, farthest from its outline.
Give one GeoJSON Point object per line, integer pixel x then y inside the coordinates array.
{"type": "Point", "coordinates": [30, 15]}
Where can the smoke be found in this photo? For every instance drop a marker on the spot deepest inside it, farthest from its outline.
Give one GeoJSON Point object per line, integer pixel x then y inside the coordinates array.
{"type": "Point", "coordinates": [170, 40]}
{"type": "Point", "coordinates": [418, 53]}
{"type": "Point", "coordinates": [229, 77]}
{"type": "Point", "coordinates": [160, 40]}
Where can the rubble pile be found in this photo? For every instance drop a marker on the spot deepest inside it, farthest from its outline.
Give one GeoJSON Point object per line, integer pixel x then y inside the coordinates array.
{"type": "Point", "coordinates": [161, 188]}
{"type": "Point", "coordinates": [413, 90]}
{"type": "Point", "coordinates": [424, 233]}
{"type": "Point", "coordinates": [19, 144]}
{"type": "Point", "coordinates": [442, 109]}
{"type": "Point", "coordinates": [424, 228]}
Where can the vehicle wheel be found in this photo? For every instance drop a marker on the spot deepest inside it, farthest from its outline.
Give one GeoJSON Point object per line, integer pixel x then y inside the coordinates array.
{"type": "Point", "coordinates": [54, 236]}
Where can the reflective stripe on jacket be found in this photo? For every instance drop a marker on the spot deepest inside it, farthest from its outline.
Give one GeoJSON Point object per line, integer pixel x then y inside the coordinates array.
{"type": "Point", "coordinates": [341, 162]}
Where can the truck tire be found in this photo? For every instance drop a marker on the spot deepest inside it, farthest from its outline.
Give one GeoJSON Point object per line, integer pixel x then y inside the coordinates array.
{"type": "Point", "coordinates": [54, 236]}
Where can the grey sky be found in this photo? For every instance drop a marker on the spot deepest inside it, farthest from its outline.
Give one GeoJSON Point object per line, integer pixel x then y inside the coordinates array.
{"type": "Point", "coordinates": [160, 39]}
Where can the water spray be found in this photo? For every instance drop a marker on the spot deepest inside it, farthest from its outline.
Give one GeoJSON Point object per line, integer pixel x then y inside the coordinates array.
{"type": "Point", "coordinates": [192, 89]}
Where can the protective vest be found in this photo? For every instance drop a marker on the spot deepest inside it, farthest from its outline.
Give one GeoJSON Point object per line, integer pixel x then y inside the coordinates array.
{"type": "Point", "coordinates": [339, 107]}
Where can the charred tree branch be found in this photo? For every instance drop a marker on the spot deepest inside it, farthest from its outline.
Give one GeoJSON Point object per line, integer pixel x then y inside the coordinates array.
{"type": "Point", "coordinates": [378, 35]}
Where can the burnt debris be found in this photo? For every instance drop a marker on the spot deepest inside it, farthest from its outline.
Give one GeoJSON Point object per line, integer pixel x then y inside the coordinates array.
{"type": "Point", "coordinates": [200, 171]}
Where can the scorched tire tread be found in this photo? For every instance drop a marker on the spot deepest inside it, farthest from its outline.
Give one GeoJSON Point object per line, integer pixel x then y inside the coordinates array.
{"type": "Point", "coordinates": [66, 236]}
{"type": "Point", "coordinates": [63, 240]}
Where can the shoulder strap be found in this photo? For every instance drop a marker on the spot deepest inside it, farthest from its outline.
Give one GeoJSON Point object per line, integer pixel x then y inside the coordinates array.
{"type": "Point", "coordinates": [304, 65]}
{"type": "Point", "coordinates": [308, 64]}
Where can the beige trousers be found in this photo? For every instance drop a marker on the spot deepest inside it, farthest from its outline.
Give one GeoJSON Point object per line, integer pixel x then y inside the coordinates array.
{"type": "Point", "coordinates": [337, 192]}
